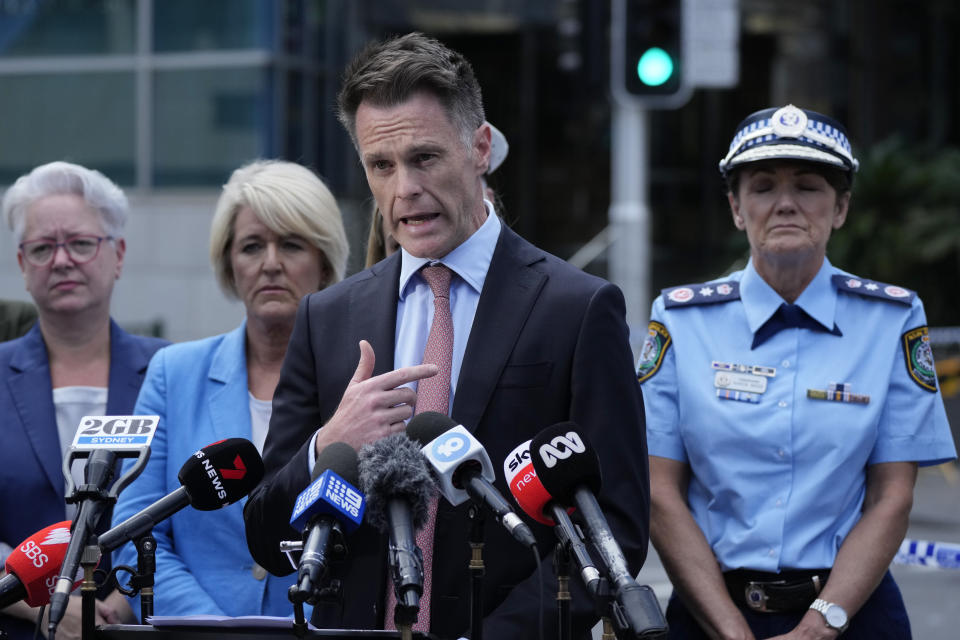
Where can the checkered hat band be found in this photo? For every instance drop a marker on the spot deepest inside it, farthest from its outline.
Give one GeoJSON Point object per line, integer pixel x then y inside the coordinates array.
{"type": "Point", "coordinates": [784, 152]}
{"type": "Point", "coordinates": [817, 132]}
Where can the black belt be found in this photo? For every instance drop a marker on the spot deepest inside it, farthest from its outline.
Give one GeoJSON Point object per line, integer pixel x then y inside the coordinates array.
{"type": "Point", "coordinates": [784, 592]}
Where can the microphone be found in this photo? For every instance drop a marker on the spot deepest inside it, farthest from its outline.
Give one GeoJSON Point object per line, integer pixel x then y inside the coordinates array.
{"type": "Point", "coordinates": [537, 503]}
{"type": "Point", "coordinates": [525, 487]}
{"type": "Point", "coordinates": [328, 507]}
{"type": "Point", "coordinates": [215, 476]}
{"type": "Point", "coordinates": [463, 469]}
{"type": "Point", "coordinates": [569, 469]}
{"type": "Point", "coordinates": [98, 474]}
{"type": "Point", "coordinates": [398, 486]}
{"type": "Point", "coordinates": [33, 566]}
{"type": "Point", "coordinates": [105, 438]}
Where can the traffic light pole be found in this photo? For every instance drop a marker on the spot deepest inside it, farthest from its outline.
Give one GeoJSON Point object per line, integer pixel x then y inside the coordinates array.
{"type": "Point", "coordinates": [629, 214]}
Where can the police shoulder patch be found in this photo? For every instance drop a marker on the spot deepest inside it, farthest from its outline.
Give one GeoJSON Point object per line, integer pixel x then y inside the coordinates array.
{"type": "Point", "coordinates": [919, 358]}
{"type": "Point", "coordinates": [655, 347]}
{"type": "Point", "coordinates": [696, 294]}
{"type": "Point", "coordinates": [873, 289]}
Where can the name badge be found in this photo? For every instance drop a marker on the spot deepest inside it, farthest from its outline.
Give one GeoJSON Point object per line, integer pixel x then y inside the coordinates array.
{"type": "Point", "coordinates": [740, 382]}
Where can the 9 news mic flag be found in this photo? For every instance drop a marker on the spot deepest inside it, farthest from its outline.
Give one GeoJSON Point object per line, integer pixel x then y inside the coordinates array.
{"type": "Point", "coordinates": [330, 506]}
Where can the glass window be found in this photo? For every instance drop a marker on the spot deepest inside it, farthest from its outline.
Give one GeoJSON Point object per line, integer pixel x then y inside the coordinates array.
{"type": "Point", "coordinates": [86, 118]}
{"type": "Point", "coordinates": [188, 25]}
{"type": "Point", "coordinates": [209, 122]}
{"type": "Point", "coordinates": [62, 27]}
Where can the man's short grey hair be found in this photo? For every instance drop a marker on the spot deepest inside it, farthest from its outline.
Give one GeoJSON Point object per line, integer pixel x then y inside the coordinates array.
{"type": "Point", "coordinates": [389, 72]}
{"type": "Point", "coordinates": [64, 178]}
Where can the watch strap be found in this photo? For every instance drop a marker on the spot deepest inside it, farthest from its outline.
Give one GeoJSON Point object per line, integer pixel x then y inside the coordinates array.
{"type": "Point", "coordinates": [821, 606]}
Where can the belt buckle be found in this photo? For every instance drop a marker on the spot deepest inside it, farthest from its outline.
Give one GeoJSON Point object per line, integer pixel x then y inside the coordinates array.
{"type": "Point", "coordinates": [755, 595]}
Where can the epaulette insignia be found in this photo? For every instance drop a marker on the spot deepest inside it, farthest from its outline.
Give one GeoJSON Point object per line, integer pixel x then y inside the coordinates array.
{"type": "Point", "coordinates": [707, 293]}
{"type": "Point", "coordinates": [864, 287]}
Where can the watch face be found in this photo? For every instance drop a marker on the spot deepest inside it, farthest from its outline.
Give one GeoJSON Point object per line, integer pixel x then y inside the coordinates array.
{"type": "Point", "coordinates": [836, 617]}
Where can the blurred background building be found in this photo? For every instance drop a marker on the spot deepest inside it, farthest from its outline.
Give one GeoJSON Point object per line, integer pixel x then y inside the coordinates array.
{"type": "Point", "coordinates": [167, 97]}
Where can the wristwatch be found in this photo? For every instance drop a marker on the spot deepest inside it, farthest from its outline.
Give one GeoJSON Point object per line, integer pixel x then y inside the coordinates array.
{"type": "Point", "coordinates": [834, 614]}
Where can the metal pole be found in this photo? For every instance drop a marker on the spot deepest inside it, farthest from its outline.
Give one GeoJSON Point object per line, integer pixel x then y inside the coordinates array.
{"type": "Point", "coordinates": [630, 213]}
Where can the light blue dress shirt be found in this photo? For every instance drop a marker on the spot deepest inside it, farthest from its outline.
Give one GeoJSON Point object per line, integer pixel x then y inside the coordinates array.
{"type": "Point", "coordinates": [470, 262]}
{"type": "Point", "coordinates": [778, 477]}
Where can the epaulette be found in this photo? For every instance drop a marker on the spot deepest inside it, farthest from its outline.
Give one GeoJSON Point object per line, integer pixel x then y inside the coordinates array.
{"type": "Point", "coordinates": [707, 293]}
{"type": "Point", "coordinates": [870, 288]}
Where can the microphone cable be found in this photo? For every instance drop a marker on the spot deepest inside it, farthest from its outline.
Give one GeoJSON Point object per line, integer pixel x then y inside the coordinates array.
{"type": "Point", "coordinates": [536, 557]}
{"type": "Point", "coordinates": [36, 626]}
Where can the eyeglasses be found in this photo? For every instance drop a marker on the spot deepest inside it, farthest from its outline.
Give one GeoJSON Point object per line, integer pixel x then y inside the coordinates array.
{"type": "Point", "coordinates": [81, 249]}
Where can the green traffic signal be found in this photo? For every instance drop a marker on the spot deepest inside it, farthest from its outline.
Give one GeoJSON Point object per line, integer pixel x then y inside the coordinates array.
{"type": "Point", "coordinates": [655, 67]}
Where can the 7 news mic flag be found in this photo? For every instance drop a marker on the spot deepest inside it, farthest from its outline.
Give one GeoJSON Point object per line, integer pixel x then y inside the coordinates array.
{"type": "Point", "coordinates": [215, 476]}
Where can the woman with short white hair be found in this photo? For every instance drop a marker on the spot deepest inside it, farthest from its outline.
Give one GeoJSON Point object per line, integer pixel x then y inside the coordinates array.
{"type": "Point", "coordinates": [68, 223]}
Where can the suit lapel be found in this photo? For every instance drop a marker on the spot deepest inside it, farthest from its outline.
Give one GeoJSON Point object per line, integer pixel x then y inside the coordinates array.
{"type": "Point", "coordinates": [128, 364]}
{"type": "Point", "coordinates": [32, 394]}
{"type": "Point", "coordinates": [229, 399]}
{"type": "Point", "coordinates": [368, 299]}
{"type": "Point", "coordinates": [509, 292]}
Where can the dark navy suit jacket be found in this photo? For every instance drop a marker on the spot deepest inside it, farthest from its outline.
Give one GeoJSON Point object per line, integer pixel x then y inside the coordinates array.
{"type": "Point", "coordinates": [548, 344]}
{"type": "Point", "coordinates": [31, 475]}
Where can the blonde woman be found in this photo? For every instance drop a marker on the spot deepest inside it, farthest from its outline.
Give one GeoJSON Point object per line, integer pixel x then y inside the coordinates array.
{"type": "Point", "coordinates": [276, 236]}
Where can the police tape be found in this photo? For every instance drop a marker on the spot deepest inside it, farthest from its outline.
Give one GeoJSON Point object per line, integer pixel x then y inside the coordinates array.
{"type": "Point", "coordinates": [929, 554]}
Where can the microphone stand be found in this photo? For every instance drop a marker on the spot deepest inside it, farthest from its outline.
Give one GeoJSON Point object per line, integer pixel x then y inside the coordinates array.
{"type": "Point", "coordinates": [146, 571]}
{"type": "Point", "coordinates": [88, 591]}
{"type": "Point", "coordinates": [299, 619]}
{"type": "Point", "coordinates": [477, 569]}
{"type": "Point", "coordinates": [561, 566]}
{"type": "Point", "coordinates": [607, 633]}
{"type": "Point", "coordinates": [141, 581]}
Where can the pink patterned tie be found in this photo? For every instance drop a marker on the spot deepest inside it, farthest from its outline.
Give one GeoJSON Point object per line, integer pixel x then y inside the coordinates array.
{"type": "Point", "coordinates": [433, 394]}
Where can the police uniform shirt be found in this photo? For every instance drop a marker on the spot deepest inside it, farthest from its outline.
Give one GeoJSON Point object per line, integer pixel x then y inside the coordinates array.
{"type": "Point", "coordinates": [779, 435]}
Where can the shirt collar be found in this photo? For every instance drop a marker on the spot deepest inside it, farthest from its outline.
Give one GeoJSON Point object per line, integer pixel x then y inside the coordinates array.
{"type": "Point", "coordinates": [760, 301]}
{"type": "Point", "coordinates": [470, 260]}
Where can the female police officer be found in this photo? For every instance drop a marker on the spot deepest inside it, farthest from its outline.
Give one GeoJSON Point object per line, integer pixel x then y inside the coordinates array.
{"type": "Point", "coordinates": [788, 406]}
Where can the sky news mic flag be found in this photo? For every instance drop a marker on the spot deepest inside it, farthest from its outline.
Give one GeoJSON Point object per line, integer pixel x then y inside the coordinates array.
{"type": "Point", "coordinates": [537, 503]}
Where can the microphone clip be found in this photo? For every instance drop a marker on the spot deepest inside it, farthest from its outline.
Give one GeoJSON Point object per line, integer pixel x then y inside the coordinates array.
{"type": "Point", "coordinates": [338, 542]}
{"type": "Point", "coordinates": [91, 492]}
{"type": "Point", "coordinates": [400, 577]}
{"type": "Point", "coordinates": [77, 494]}
{"type": "Point", "coordinates": [141, 581]}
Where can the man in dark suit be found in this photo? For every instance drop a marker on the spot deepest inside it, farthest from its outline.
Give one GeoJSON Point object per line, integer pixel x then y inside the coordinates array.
{"type": "Point", "coordinates": [535, 342]}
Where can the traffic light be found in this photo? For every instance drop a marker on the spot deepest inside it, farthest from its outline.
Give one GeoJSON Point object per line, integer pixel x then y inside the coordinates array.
{"type": "Point", "coordinates": [648, 49]}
